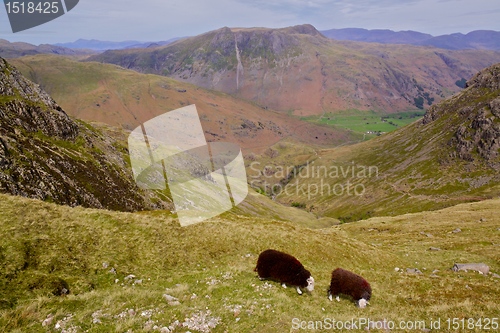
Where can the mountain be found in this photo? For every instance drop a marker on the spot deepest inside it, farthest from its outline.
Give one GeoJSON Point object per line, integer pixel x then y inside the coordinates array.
{"type": "Point", "coordinates": [299, 71]}
{"type": "Point", "coordinates": [479, 40]}
{"type": "Point", "coordinates": [47, 155]}
{"type": "Point", "coordinates": [124, 98]}
{"type": "Point", "coordinates": [153, 44]}
{"type": "Point", "coordinates": [452, 155]}
{"type": "Point", "coordinates": [99, 45]}
{"type": "Point", "coordinates": [19, 49]}
{"type": "Point", "coordinates": [377, 36]}
{"type": "Point", "coordinates": [475, 40]}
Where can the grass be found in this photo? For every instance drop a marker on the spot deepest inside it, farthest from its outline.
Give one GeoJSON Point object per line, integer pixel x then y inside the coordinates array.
{"type": "Point", "coordinates": [367, 122]}
{"type": "Point", "coordinates": [208, 268]}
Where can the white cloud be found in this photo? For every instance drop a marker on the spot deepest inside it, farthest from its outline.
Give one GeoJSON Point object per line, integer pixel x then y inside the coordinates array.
{"type": "Point", "coordinates": [150, 20]}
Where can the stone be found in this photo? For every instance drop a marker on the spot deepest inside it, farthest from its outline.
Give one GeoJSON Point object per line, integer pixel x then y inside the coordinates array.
{"type": "Point", "coordinates": [413, 271]}
{"type": "Point", "coordinates": [478, 267]}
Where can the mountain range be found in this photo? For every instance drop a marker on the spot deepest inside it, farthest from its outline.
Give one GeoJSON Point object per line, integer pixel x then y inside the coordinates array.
{"type": "Point", "coordinates": [20, 49]}
{"type": "Point", "coordinates": [299, 71]}
{"type": "Point", "coordinates": [475, 40]}
{"type": "Point", "coordinates": [99, 45]}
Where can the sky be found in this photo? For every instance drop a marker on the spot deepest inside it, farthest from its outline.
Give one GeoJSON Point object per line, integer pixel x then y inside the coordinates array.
{"type": "Point", "coordinates": [157, 20]}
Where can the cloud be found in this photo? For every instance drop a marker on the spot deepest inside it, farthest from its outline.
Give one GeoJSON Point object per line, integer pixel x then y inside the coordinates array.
{"type": "Point", "coordinates": [153, 20]}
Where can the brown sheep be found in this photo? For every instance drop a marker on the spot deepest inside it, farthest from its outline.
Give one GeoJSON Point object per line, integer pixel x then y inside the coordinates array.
{"type": "Point", "coordinates": [284, 268]}
{"type": "Point", "coordinates": [350, 284]}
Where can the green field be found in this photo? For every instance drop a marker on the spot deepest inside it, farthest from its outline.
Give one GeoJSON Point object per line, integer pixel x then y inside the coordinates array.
{"type": "Point", "coordinates": [367, 122]}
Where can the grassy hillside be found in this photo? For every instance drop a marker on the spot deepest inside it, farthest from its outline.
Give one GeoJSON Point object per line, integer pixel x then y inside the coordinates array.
{"type": "Point", "coordinates": [124, 98]}
{"type": "Point", "coordinates": [452, 155]}
{"type": "Point", "coordinates": [208, 268]}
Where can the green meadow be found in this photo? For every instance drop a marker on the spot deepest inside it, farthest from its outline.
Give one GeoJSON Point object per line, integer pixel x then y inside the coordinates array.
{"type": "Point", "coordinates": [367, 121]}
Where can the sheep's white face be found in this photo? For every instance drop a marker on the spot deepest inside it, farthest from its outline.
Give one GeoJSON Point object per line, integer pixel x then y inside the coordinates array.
{"type": "Point", "coordinates": [362, 303]}
{"type": "Point", "coordinates": [310, 284]}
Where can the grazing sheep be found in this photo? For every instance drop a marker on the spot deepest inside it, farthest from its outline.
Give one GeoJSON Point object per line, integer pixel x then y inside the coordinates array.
{"type": "Point", "coordinates": [350, 284]}
{"type": "Point", "coordinates": [285, 269]}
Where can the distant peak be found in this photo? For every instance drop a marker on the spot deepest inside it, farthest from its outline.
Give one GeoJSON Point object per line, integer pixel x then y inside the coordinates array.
{"type": "Point", "coordinates": [304, 29]}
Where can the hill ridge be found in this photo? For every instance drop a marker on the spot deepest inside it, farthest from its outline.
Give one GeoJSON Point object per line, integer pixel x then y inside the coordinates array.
{"type": "Point", "coordinates": [45, 154]}
{"type": "Point", "coordinates": [299, 71]}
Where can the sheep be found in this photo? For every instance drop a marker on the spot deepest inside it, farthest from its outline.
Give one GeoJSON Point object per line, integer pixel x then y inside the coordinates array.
{"type": "Point", "coordinates": [284, 268]}
{"type": "Point", "coordinates": [350, 284]}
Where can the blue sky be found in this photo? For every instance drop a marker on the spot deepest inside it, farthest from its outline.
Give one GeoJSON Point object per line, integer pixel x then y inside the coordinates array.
{"type": "Point", "coordinates": [154, 20]}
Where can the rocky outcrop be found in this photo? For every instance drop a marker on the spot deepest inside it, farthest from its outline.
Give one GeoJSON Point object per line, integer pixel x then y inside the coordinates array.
{"type": "Point", "coordinates": [476, 113]}
{"type": "Point", "coordinates": [26, 106]}
{"type": "Point", "coordinates": [44, 154]}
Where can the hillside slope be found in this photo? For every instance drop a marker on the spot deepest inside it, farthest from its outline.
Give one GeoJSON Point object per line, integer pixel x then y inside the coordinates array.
{"type": "Point", "coordinates": [124, 98]}
{"type": "Point", "coordinates": [47, 155]}
{"type": "Point", "coordinates": [300, 71]}
{"type": "Point", "coordinates": [452, 155]}
{"type": "Point", "coordinates": [134, 271]}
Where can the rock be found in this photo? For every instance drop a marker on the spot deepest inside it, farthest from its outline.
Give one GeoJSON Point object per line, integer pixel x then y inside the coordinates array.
{"type": "Point", "coordinates": [164, 330]}
{"type": "Point", "coordinates": [148, 325]}
{"type": "Point", "coordinates": [129, 277]}
{"type": "Point", "coordinates": [105, 265]}
{"type": "Point", "coordinates": [482, 219]}
{"type": "Point", "coordinates": [434, 249]}
{"type": "Point", "coordinates": [496, 276]}
{"type": "Point", "coordinates": [112, 270]}
{"type": "Point", "coordinates": [479, 267]}
{"type": "Point", "coordinates": [172, 301]}
{"type": "Point", "coordinates": [396, 269]}
{"type": "Point", "coordinates": [426, 234]}
{"type": "Point", "coordinates": [169, 298]}
{"type": "Point", "coordinates": [413, 271]}
{"type": "Point", "coordinates": [48, 320]}
{"type": "Point", "coordinates": [457, 230]}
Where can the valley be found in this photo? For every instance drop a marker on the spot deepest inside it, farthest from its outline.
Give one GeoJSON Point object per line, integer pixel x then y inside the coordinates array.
{"type": "Point", "coordinates": [364, 156]}
{"type": "Point", "coordinates": [299, 71]}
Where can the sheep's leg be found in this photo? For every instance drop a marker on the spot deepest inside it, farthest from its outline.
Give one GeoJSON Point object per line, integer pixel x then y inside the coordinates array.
{"type": "Point", "coordinates": [283, 285]}
{"type": "Point", "coordinates": [261, 278]}
{"type": "Point", "coordinates": [299, 291]}
{"type": "Point", "coordinates": [330, 297]}
{"type": "Point", "coordinates": [337, 298]}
